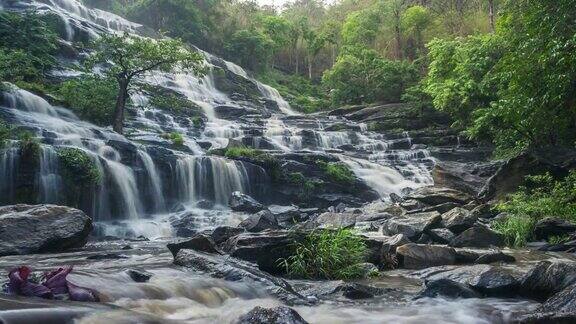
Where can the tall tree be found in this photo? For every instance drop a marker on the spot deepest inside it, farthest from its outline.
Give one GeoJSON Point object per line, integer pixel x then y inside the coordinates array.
{"type": "Point", "coordinates": [126, 57]}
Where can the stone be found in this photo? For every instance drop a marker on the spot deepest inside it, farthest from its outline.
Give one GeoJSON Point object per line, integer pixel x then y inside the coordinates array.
{"type": "Point", "coordinates": [458, 220]}
{"type": "Point", "coordinates": [447, 288]}
{"type": "Point", "coordinates": [436, 196]}
{"type": "Point", "coordinates": [336, 220]}
{"type": "Point", "coordinates": [27, 229]}
{"type": "Point", "coordinates": [495, 282]}
{"type": "Point", "coordinates": [441, 235]}
{"type": "Point", "coordinates": [549, 227]}
{"type": "Point", "coordinates": [359, 291]}
{"type": "Point", "coordinates": [199, 242]}
{"type": "Point", "coordinates": [222, 233]}
{"type": "Point", "coordinates": [493, 257]}
{"type": "Point", "coordinates": [184, 224]}
{"type": "Point", "coordinates": [466, 256]}
{"type": "Point", "coordinates": [139, 275]}
{"type": "Point", "coordinates": [416, 256]}
{"type": "Point", "coordinates": [478, 236]}
{"type": "Point", "coordinates": [548, 278]}
{"type": "Point", "coordinates": [276, 315]}
{"type": "Point", "coordinates": [411, 225]}
{"type": "Point", "coordinates": [261, 221]}
{"type": "Point", "coordinates": [107, 256]}
{"type": "Point", "coordinates": [244, 203]}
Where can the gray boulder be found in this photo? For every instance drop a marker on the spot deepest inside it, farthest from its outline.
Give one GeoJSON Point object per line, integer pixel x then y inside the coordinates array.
{"type": "Point", "coordinates": [244, 203]}
{"type": "Point", "coordinates": [26, 229]}
{"type": "Point", "coordinates": [276, 315]}
{"type": "Point", "coordinates": [261, 221]}
{"type": "Point", "coordinates": [437, 196]}
{"type": "Point", "coordinates": [447, 288]}
{"type": "Point", "coordinates": [478, 236]}
{"type": "Point", "coordinates": [419, 256]}
{"type": "Point", "coordinates": [199, 242]}
{"type": "Point", "coordinates": [549, 227]}
{"type": "Point", "coordinates": [411, 225]}
{"type": "Point", "coordinates": [458, 220]}
{"type": "Point", "coordinates": [548, 278]}
{"type": "Point", "coordinates": [441, 235]}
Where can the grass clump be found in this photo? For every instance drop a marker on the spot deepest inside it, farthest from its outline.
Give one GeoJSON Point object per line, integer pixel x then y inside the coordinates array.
{"type": "Point", "coordinates": [242, 151]}
{"type": "Point", "coordinates": [79, 169]}
{"type": "Point", "coordinates": [307, 186]}
{"type": "Point", "coordinates": [176, 138]}
{"type": "Point", "coordinates": [337, 172]}
{"type": "Point", "coordinates": [327, 254]}
{"type": "Point", "coordinates": [542, 196]}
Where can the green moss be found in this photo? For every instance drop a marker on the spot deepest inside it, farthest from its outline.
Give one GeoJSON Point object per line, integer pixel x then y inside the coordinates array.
{"type": "Point", "coordinates": [90, 98]}
{"type": "Point", "coordinates": [176, 138]}
{"type": "Point", "coordinates": [78, 168]}
{"type": "Point", "coordinates": [29, 145]}
{"type": "Point", "coordinates": [327, 254]}
{"type": "Point", "coordinates": [337, 172]}
{"type": "Point", "coordinates": [5, 133]}
{"type": "Point", "coordinates": [307, 186]}
{"type": "Point", "coordinates": [242, 151]}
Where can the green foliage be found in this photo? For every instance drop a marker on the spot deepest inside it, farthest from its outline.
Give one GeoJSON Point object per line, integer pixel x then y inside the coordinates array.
{"type": "Point", "coordinates": [541, 197]}
{"type": "Point", "coordinates": [558, 239]}
{"type": "Point", "coordinates": [27, 46]}
{"type": "Point", "coordinates": [242, 151]}
{"type": "Point", "coordinates": [251, 48]}
{"type": "Point", "coordinates": [361, 27]}
{"type": "Point", "coordinates": [5, 133]}
{"type": "Point", "coordinates": [327, 254]}
{"type": "Point", "coordinates": [78, 168]}
{"type": "Point", "coordinates": [91, 98]}
{"type": "Point", "coordinates": [172, 101]}
{"type": "Point", "coordinates": [337, 171]}
{"type": "Point", "coordinates": [176, 138]}
{"type": "Point", "coordinates": [360, 75]}
{"type": "Point", "coordinates": [306, 185]}
{"type": "Point", "coordinates": [29, 144]}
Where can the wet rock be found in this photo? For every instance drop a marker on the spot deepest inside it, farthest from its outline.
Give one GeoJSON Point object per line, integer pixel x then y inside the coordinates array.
{"type": "Point", "coordinates": [199, 242]}
{"type": "Point", "coordinates": [548, 278]}
{"type": "Point", "coordinates": [560, 308]}
{"type": "Point", "coordinates": [458, 220]}
{"type": "Point", "coordinates": [550, 227]}
{"type": "Point", "coordinates": [466, 256]}
{"type": "Point", "coordinates": [494, 257]}
{"type": "Point", "coordinates": [276, 315]}
{"type": "Point", "coordinates": [359, 291]}
{"type": "Point", "coordinates": [437, 196]}
{"type": "Point", "coordinates": [263, 249]}
{"type": "Point", "coordinates": [447, 288]}
{"type": "Point", "coordinates": [416, 256]}
{"type": "Point", "coordinates": [127, 247]}
{"type": "Point", "coordinates": [478, 236]}
{"type": "Point", "coordinates": [441, 235]}
{"type": "Point", "coordinates": [412, 204]}
{"type": "Point", "coordinates": [261, 221]}
{"type": "Point", "coordinates": [411, 225]}
{"type": "Point", "coordinates": [107, 256]}
{"type": "Point", "coordinates": [234, 112]}
{"type": "Point", "coordinates": [184, 225]}
{"type": "Point", "coordinates": [139, 275]}
{"type": "Point", "coordinates": [26, 229]}
{"type": "Point", "coordinates": [287, 214]}
{"type": "Point", "coordinates": [547, 318]}
{"type": "Point", "coordinates": [222, 233]}
{"type": "Point", "coordinates": [336, 220]}
{"type": "Point", "coordinates": [368, 269]}
{"type": "Point", "coordinates": [205, 204]}
{"type": "Point", "coordinates": [227, 268]}
{"type": "Point", "coordinates": [495, 282]}
{"type": "Point", "coordinates": [244, 203]}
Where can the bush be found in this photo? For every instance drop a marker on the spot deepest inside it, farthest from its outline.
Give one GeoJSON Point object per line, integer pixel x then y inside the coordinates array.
{"type": "Point", "coordinates": [176, 138]}
{"type": "Point", "coordinates": [79, 169]}
{"type": "Point", "coordinates": [242, 151]}
{"type": "Point", "coordinates": [541, 197]}
{"type": "Point", "coordinates": [5, 133]}
{"type": "Point", "coordinates": [29, 145]}
{"type": "Point", "coordinates": [337, 172]}
{"type": "Point", "coordinates": [307, 186]}
{"type": "Point", "coordinates": [327, 254]}
{"type": "Point", "coordinates": [91, 98]}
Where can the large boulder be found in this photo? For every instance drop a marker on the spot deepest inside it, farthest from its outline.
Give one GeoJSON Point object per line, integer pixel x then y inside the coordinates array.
{"type": "Point", "coordinates": [199, 242]}
{"type": "Point", "coordinates": [276, 315]}
{"type": "Point", "coordinates": [26, 229]}
{"type": "Point", "coordinates": [336, 220]}
{"type": "Point", "coordinates": [549, 227]}
{"type": "Point", "coordinates": [244, 203]}
{"type": "Point", "coordinates": [548, 278]}
{"type": "Point", "coordinates": [420, 256]}
{"type": "Point", "coordinates": [478, 236]}
{"type": "Point", "coordinates": [437, 196]}
{"type": "Point", "coordinates": [411, 225]}
{"type": "Point", "coordinates": [447, 288]}
{"type": "Point", "coordinates": [458, 220]}
{"type": "Point", "coordinates": [261, 221]}
{"type": "Point", "coordinates": [441, 235]}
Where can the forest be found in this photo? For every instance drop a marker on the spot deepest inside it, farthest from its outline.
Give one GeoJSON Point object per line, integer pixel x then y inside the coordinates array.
{"type": "Point", "coordinates": [312, 161]}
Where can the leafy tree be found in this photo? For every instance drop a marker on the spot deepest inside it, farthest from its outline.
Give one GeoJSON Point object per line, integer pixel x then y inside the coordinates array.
{"type": "Point", "coordinates": [132, 56]}
{"type": "Point", "coordinates": [250, 48]}
{"type": "Point", "coordinates": [415, 21]}
{"type": "Point", "coordinates": [361, 28]}
{"type": "Point", "coordinates": [91, 98]}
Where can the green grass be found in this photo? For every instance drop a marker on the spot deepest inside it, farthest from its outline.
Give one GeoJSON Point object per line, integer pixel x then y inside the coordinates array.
{"type": "Point", "coordinates": [517, 229]}
{"type": "Point", "coordinates": [29, 145]}
{"type": "Point", "coordinates": [242, 151]}
{"type": "Point", "coordinates": [337, 172]}
{"type": "Point", "coordinates": [327, 254]}
{"type": "Point", "coordinates": [176, 138]}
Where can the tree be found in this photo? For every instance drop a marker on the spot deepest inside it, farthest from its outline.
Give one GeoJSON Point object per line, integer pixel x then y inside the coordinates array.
{"type": "Point", "coordinates": [415, 20]}
{"type": "Point", "coordinates": [127, 57]}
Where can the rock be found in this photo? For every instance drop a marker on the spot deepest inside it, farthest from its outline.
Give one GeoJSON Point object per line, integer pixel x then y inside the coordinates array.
{"type": "Point", "coordinates": [263, 220]}
{"type": "Point", "coordinates": [222, 233]}
{"type": "Point", "coordinates": [205, 204]}
{"type": "Point", "coordinates": [447, 288]}
{"type": "Point", "coordinates": [494, 257]}
{"type": "Point", "coordinates": [441, 235]}
{"type": "Point", "coordinates": [548, 278]}
{"type": "Point", "coordinates": [359, 291]}
{"type": "Point", "coordinates": [547, 318]}
{"type": "Point", "coordinates": [478, 236]}
{"type": "Point", "coordinates": [263, 249]}
{"type": "Point", "coordinates": [458, 220]}
{"type": "Point", "coordinates": [107, 256]}
{"type": "Point", "coordinates": [437, 196]}
{"type": "Point", "coordinates": [412, 204]}
{"type": "Point", "coordinates": [411, 225]}
{"type": "Point", "coordinates": [415, 256]}
{"type": "Point", "coordinates": [469, 177]}
{"type": "Point", "coordinates": [232, 269]}
{"type": "Point", "coordinates": [560, 308]}
{"type": "Point", "coordinates": [495, 282]}
{"type": "Point", "coordinates": [244, 203]}
{"type": "Point", "coordinates": [199, 242]}
{"type": "Point", "coordinates": [549, 227]}
{"type": "Point", "coordinates": [26, 229]}
{"type": "Point", "coordinates": [368, 269]}
{"type": "Point", "coordinates": [139, 275]}
{"type": "Point", "coordinates": [336, 220]}
{"type": "Point", "coordinates": [287, 214]}
{"type": "Point", "coordinates": [276, 315]}
{"type": "Point", "coordinates": [184, 225]}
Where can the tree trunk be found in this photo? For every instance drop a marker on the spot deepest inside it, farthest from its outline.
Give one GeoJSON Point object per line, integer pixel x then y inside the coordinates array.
{"type": "Point", "coordinates": [118, 124]}
{"type": "Point", "coordinates": [310, 68]}
{"type": "Point", "coordinates": [491, 14]}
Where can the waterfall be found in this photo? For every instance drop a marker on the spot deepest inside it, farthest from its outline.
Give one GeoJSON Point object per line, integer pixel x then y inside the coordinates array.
{"type": "Point", "coordinates": [50, 181]}
{"type": "Point", "coordinates": [154, 181]}
{"type": "Point", "coordinates": [23, 100]}
{"type": "Point", "coordinates": [125, 181]}
{"type": "Point", "coordinates": [9, 160]}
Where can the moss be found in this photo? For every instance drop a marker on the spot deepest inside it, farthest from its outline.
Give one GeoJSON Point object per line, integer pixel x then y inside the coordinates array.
{"type": "Point", "coordinates": [5, 133]}
{"type": "Point", "coordinates": [176, 138]}
{"type": "Point", "coordinates": [337, 172]}
{"type": "Point", "coordinates": [307, 186]}
{"type": "Point", "coordinates": [78, 168]}
{"type": "Point", "coordinates": [29, 145]}
{"type": "Point", "coordinates": [172, 101]}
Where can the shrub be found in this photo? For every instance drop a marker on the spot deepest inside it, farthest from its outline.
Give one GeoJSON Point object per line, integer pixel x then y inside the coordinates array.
{"type": "Point", "coordinates": [517, 230]}
{"type": "Point", "coordinates": [307, 186]}
{"type": "Point", "coordinates": [29, 145]}
{"type": "Point", "coordinates": [176, 138]}
{"type": "Point", "coordinates": [327, 254]}
{"type": "Point", "coordinates": [5, 133]}
{"type": "Point", "coordinates": [242, 151]}
{"type": "Point", "coordinates": [337, 172]}
{"type": "Point", "coordinates": [91, 98]}
{"type": "Point", "coordinates": [79, 169]}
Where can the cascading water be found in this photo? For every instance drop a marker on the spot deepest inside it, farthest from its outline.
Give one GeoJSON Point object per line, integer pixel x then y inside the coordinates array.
{"type": "Point", "coordinates": [50, 181]}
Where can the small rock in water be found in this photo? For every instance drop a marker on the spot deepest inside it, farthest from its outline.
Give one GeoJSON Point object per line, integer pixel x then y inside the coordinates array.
{"type": "Point", "coordinates": [107, 256]}
{"type": "Point", "coordinates": [359, 291]}
{"type": "Point", "coordinates": [447, 288]}
{"type": "Point", "coordinates": [493, 257]}
{"type": "Point", "coordinates": [244, 203]}
{"type": "Point", "coordinates": [127, 247]}
{"type": "Point", "coordinates": [139, 275]}
{"type": "Point", "coordinates": [276, 315]}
